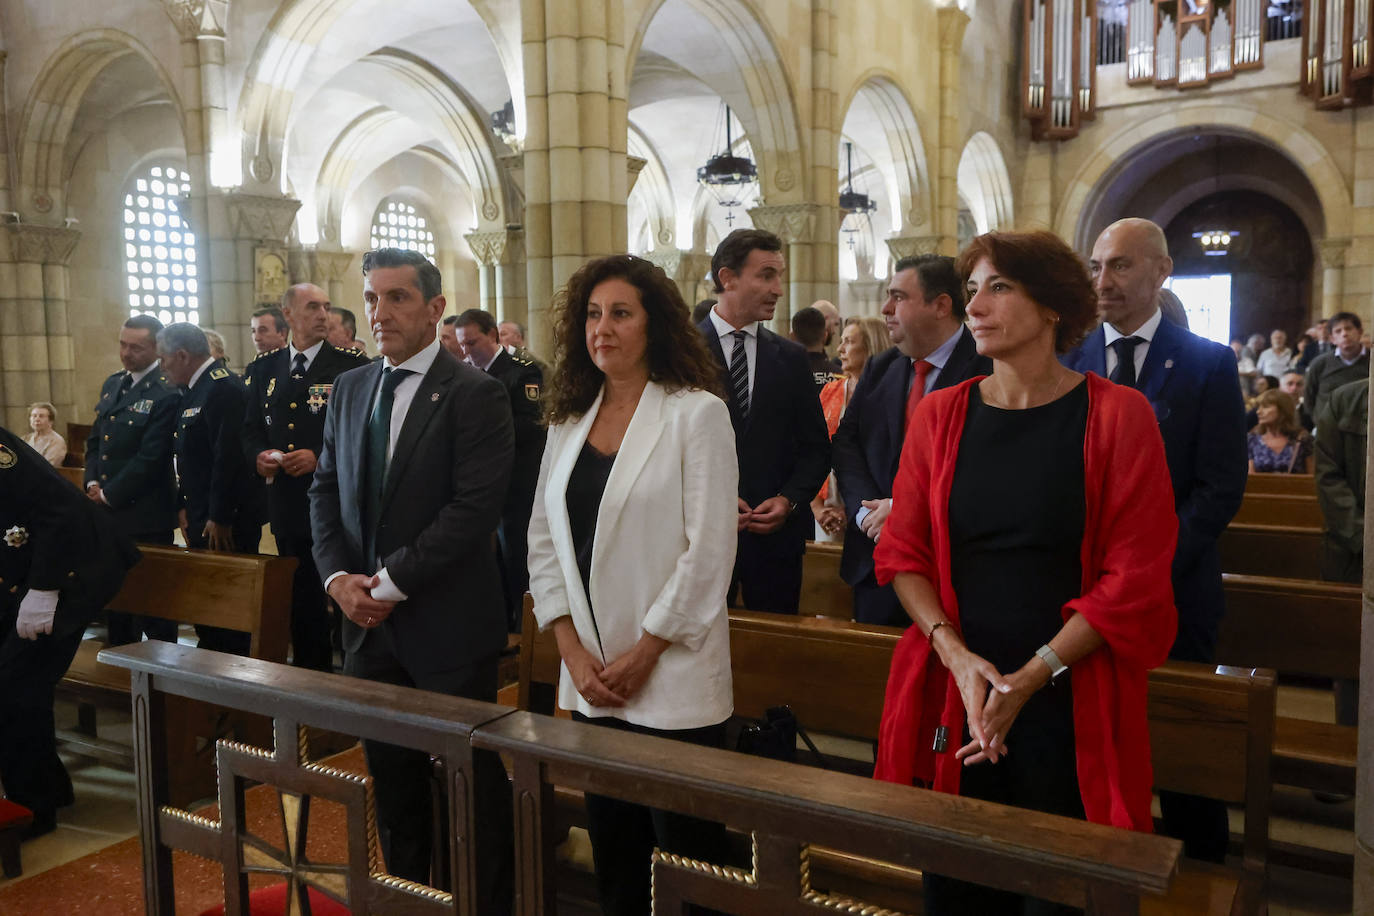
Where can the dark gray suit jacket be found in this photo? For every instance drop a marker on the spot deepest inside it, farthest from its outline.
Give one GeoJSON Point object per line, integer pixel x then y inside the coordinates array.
{"type": "Point", "coordinates": [441, 504]}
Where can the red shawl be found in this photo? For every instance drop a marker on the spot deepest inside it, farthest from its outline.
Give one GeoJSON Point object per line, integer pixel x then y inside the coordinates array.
{"type": "Point", "coordinates": [1128, 545]}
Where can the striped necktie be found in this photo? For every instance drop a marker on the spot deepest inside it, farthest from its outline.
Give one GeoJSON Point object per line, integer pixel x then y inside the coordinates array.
{"type": "Point", "coordinates": [739, 373]}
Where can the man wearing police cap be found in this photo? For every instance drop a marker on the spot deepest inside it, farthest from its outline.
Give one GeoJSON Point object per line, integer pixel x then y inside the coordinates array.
{"type": "Point", "coordinates": [283, 432]}
{"type": "Point", "coordinates": [62, 558]}
{"type": "Point", "coordinates": [129, 457]}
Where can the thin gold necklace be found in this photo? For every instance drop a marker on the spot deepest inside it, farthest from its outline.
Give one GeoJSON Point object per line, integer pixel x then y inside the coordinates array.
{"type": "Point", "coordinates": [1002, 402]}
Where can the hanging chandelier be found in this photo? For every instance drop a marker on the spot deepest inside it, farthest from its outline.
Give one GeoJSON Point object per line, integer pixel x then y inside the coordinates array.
{"type": "Point", "coordinates": [1215, 242]}
{"type": "Point", "coordinates": [727, 176]}
{"type": "Point", "coordinates": [853, 203]}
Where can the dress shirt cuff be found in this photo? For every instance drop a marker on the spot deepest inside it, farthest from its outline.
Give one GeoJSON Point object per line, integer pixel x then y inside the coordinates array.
{"type": "Point", "coordinates": [330, 578]}
{"type": "Point", "coordinates": [386, 590]}
{"type": "Point", "coordinates": [861, 515]}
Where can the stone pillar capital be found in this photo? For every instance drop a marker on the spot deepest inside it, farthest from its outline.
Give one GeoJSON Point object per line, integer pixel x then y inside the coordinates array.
{"type": "Point", "coordinates": [333, 265]}
{"type": "Point", "coordinates": [505, 246]}
{"type": "Point", "coordinates": [260, 218]}
{"type": "Point", "coordinates": [909, 246]}
{"type": "Point", "coordinates": [41, 244]}
{"type": "Point", "coordinates": [685, 268]}
{"type": "Point", "coordinates": [951, 22]}
{"type": "Point", "coordinates": [198, 18]}
{"type": "Point", "coordinates": [793, 223]}
{"type": "Point", "coordinates": [1333, 252]}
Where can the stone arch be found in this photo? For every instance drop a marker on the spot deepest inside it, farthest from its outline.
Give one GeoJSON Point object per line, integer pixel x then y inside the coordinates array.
{"type": "Point", "coordinates": [339, 171]}
{"type": "Point", "coordinates": [878, 93]}
{"type": "Point", "coordinates": [52, 105]}
{"type": "Point", "coordinates": [762, 97]}
{"type": "Point", "coordinates": [984, 184]}
{"type": "Point", "coordinates": [1086, 190]}
{"type": "Point", "coordinates": [652, 192]}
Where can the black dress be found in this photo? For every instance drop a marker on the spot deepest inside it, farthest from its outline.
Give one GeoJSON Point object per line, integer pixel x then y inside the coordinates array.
{"type": "Point", "coordinates": [1016, 517]}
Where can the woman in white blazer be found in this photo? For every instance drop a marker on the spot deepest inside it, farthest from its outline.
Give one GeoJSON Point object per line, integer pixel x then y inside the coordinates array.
{"type": "Point", "coordinates": [632, 541]}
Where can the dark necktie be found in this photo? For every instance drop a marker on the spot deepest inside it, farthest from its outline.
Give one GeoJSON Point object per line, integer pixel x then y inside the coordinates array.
{"type": "Point", "coordinates": [298, 367]}
{"type": "Point", "coordinates": [918, 387]}
{"type": "Point", "coordinates": [378, 435]}
{"type": "Point", "coordinates": [1125, 360]}
{"type": "Point", "coordinates": [739, 373]}
{"type": "Point", "coordinates": [124, 386]}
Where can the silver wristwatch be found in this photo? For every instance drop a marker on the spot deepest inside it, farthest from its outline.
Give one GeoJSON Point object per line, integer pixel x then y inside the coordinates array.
{"type": "Point", "coordinates": [1049, 657]}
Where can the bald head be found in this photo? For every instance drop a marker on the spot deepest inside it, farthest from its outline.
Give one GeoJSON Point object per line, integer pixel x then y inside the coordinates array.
{"type": "Point", "coordinates": [306, 308]}
{"type": "Point", "coordinates": [832, 318]}
{"type": "Point", "coordinates": [1129, 264]}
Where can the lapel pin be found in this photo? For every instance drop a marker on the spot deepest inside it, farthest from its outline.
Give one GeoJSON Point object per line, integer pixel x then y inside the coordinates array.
{"type": "Point", "coordinates": [1168, 364]}
{"type": "Point", "coordinates": [434, 397]}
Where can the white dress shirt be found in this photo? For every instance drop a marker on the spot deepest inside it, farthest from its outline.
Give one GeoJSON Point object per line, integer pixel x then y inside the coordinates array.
{"type": "Point", "coordinates": [310, 354]}
{"type": "Point", "coordinates": [727, 343]}
{"type": "Point", "coordinates": [1146, 333]}
{"type": "Point", "coordinates": [136, 377]}
{"type": "Point", "coordinates": [195, 377]}
{"type": "Point", "coordinates": [419, 364]}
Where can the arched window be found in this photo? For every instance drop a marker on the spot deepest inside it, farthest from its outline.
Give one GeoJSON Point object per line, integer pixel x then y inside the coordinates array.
{"type": "Point", "coordinates": [399, 225]}
{"type": "Point", "coordinates": [160, 248]}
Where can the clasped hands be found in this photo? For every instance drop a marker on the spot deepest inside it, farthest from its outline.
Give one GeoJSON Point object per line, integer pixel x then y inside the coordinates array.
{"type": "Point", "coordinates": [991, 700]}
{"type": "Point", "coordinates": [296, 463]}
{"type": "Point", "coordinates": [613, 684]}
{"type": "Point", "coordinates": [352, 592]}
{"type": "Point", "coordinates": [765, 518]}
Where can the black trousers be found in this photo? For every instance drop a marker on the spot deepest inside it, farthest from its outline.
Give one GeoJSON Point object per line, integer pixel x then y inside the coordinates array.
{"type": "Point", "coordinates": [766, 583]}
{"type": "Point", "coordinates": [29, 671]}
{"type": "Point", "coordinates": [126, 628]}
{"type": "Point", "coordinates": [624, 834]}
{"type": "Point", "coordinates": [878, 604]}
{"type": "Point", "coordinates": [310, 642]}
{"type": "Point", "coordinates": [402, 780]}
{"type": "Point", "coordinates": [246, 536]}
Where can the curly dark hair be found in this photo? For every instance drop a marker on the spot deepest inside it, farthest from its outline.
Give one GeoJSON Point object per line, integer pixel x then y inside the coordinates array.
{"type": "Point", "coordinates": [677, 353]}
{"type": "Point", "coordinates": [1053, 275]}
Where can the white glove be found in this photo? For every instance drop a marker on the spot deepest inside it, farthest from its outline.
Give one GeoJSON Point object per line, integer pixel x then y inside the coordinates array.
{"type": "Point", "coordinates": [36, 613]}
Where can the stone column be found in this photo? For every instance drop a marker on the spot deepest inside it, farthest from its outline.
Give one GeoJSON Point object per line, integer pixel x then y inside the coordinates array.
{"type": "Point", "coordinates": [502, 274]}
{"type": "Point", "coordinates": [909, 246]}
{"type": "Point", "coordinates": [4, 143]}
{"type": "Point", "coordinates": [576, 173]}
{"type": "Point", "coordinates": [795, 224]}
{"type": "Point", "coordinates": [684, 268]}
{"type": "Point", "coordinates": [824, 268]}
{"type": "Point", "coordinates": [1332, 253]}
{"type": "Point", "coordinates": [952, 22]}
{"type": "Point", "coordinates": [241, 225]}
{"type": "Point", "coordinates": [36, 356]}
{"type": "Point", "coordinates": [332, 267]}
{"type": "Point", "coordinates": [867, 297]}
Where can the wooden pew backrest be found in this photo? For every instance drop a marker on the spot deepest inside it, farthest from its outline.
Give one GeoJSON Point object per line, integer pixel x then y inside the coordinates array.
{"type": "Point", "coordinates": [1288, 551]}
{"type": "Point", "coordinates": [1295, 626]}
{"type": "Point", "coordinates": [1281, 484]}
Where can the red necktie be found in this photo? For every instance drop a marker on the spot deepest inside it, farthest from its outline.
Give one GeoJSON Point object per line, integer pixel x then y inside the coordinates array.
{"type": "Point", "coordinates": [918, 387]}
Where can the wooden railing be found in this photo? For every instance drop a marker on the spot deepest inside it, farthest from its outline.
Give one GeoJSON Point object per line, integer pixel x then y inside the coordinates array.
{"type": "Point", "coordinates": [784, 807]}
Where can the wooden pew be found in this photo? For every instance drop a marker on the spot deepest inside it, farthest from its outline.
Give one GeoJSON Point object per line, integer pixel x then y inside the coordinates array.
{"type": "Point", "coordinates": [1281, 484]}
{"type": "Point", "coordinates": [1280, 509]}
{"type": "Point", "coordinates": [1304, 628]}
{"type": "Point", "coordinates": [77, 476]}
{"type": "Point", "coordinates": [236, 591]}
{"type": "Point", "coordinates": [823, 592]}
{"type": "Point", "coordinates": [1285, 551]}
{"type": "Point", "coordinates": [833, 674]}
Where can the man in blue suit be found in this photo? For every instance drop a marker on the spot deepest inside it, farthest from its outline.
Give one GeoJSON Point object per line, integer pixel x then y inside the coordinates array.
{"type": "Point", "coordinates": [780, 433]}
{"type": "Point", "coordinates": [924, 310]}
{"type": "Point", "coordinates": [1195, 391]}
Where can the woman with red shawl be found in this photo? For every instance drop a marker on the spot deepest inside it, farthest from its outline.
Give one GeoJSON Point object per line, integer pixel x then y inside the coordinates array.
{"type": "Point", "coordinates": [1030, 541]}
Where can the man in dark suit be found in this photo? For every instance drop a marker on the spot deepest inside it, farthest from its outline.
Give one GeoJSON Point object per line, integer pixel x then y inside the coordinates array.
{"type": "Point", "coordinates": [478, 336]}
{"type": "Point", "coordinates": [283, 430]}
{"type": "Point", "coordinates": [408, 492]}
{"type": "Point", "coordinates": [924, 310]}
{"type": "Point", "coordinates": [221, 502]}
{"type": "Point", "coordinates": [62, 558]}
{"type": "Point", "coordinates": [780, 432]}
{"type": "Point", "coordinates": [1193, 386]}
{"type": "Point", "coordinates": [129, 457]}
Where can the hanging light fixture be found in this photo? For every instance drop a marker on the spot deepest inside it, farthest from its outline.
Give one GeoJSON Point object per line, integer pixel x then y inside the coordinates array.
{"type": "Point", "coordinates": [728, 176]}
{"type": "Point", "coordinates": [1215, 242]}
{"type": "Point", "coordinates": [853, 203]}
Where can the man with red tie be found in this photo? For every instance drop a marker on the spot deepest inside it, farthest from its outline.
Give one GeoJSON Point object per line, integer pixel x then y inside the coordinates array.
{"type": "Point", "coordinates": [924, 310]}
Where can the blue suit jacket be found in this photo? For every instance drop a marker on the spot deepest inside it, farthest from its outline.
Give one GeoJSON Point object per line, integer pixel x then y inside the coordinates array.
{"type": "Point", "coordinates": [783, 445]}
{"type": "Point", "coordinates": [1192, 384]}
{"type": "Point", "coordinates": [868, 443]}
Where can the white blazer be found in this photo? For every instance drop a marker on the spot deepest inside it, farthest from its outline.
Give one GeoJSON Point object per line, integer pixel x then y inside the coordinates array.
{"type": "Point", "coordinates": [662, 558]}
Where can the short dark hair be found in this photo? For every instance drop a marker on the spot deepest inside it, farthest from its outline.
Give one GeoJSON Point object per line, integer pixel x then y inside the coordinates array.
{"type": "Point", "coordinates": [808, 327]}
{"type": "Point", "coordinates": [937, 274]}
{"type": "Point", "coordinates": [701, 310]}
{"type": "Point", "coordinates": [734, 250]}
{"type": "Point", "coordinates": [677, 352]}
{"type": "Point", "coordinates": [427, 278]}
{"type": "Point", "coordinates": [450, 320]}
{"type": "Point", "coordinates": [1297, 372]}
{"type": "Point", "coordinates": [277, 317]}
{"type": "Point", "coordinates": [1051, 272]}
{"type": "Point", "coordinates": [1343, 316]}
{"type": "Point", "coordinates": [485, 321]}
{"type": "Point", "coordinates": [144, 323]}
{"type": "Point", "coordinates": [347, 319]}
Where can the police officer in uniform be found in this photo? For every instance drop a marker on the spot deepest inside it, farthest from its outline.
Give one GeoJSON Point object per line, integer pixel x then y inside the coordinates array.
{"type": "Point", "coordinates": [221, 506]}
{"type": "Point", "coordinates": [129, 457]}
{"type": "Point", "coordinates": [477, 334]}
{"type": "Point", "coordinates": [62, 558]}
{"type": "Point", "coordinates": [283, 432]}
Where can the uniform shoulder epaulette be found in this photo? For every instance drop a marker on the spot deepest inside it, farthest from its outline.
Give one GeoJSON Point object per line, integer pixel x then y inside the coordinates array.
{"type": "Point", "coordinates": [265, 353]}
{"type": "Point", "coordinates": [521, 360]}
{"type": "Point", "coordinates": [352, 351]}
{"type": "Point", "coordinates": [219, 373]}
